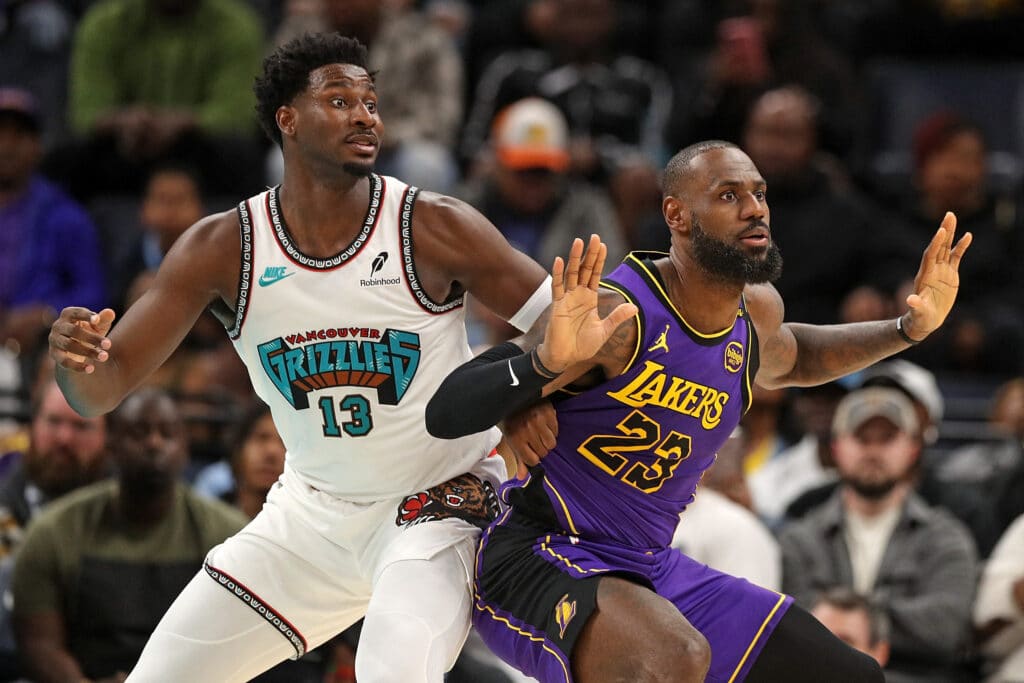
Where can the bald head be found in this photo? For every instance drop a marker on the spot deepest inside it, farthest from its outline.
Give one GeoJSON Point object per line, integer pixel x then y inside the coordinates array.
{"type": "Point", "coordinates": [680, 168]}
{"type": "Point", "coordinates": [781, 131]}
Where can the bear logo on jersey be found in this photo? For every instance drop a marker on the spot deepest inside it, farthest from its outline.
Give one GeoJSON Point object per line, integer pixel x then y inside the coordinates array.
{"type": "Point", "coordinates": [465, 497]}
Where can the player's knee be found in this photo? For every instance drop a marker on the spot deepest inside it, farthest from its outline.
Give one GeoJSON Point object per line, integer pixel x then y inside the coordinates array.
{"type": "Point", "coordinates": [399, 648]}
{"type": "Point", "coordinates": [690, 659]}
{"type": "Point", "coordinates": [681, 657]}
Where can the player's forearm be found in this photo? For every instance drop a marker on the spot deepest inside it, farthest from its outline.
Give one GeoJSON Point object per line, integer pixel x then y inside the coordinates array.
{"type": "Point", "coordinates": [482, 392]}
{"type": "Point", "coordinates": [92, 394]}
{"type": "Point", "coordinates": [827, 352]}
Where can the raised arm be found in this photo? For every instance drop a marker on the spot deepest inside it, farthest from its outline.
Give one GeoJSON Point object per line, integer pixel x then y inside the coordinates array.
{"type": "Point", "coordinates": [565, 343]}
{"type": "Point", "coordinates": [98, 366]}
{"type": "Point", "coordinates": [795, 354]}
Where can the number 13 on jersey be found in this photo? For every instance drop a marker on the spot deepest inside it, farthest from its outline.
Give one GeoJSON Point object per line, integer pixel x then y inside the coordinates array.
{"type": "Point", "coordinates": [359, 422]}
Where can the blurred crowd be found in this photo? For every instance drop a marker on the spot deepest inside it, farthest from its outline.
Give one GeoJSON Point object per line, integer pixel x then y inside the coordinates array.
{"type": "Point", "coordinates": [889, 503]}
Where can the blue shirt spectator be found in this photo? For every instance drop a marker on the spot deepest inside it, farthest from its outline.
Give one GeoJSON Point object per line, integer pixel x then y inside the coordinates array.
{"type": "Point", "coordinates": [49, 252]}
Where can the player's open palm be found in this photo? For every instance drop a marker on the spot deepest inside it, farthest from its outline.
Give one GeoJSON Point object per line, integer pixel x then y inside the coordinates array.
{"type": "Point", "coordinates": [576, 331]}
{"type": "Point", "coordinates": [937, 280]}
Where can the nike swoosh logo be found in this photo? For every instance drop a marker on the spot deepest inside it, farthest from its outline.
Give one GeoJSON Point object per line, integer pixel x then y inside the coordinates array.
{"type": "Point", "coordinates": [264, 280]}
{"type": "Point", "coordinates": [515, 380]}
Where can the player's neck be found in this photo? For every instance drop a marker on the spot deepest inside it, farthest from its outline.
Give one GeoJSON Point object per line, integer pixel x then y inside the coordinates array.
{"type": "Point", "coordinates": [323, 214]}
{"type": "Point", "coordinates": [708, 305]}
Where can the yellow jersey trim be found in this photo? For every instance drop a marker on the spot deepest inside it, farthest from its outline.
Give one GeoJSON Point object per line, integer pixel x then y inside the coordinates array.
{"type": "Point", "coordinates": [565, 508]}
{"type": "Point", "coordinates": [655, 282]}
{"type": "Point", "coordinates": [757, 636]}
{"type": "Point", "coordinates": [526, 634]}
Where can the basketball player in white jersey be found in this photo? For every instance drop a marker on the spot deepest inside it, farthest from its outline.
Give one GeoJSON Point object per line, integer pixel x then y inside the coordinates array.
{"type": "Point", "coordinates": [343, 293]}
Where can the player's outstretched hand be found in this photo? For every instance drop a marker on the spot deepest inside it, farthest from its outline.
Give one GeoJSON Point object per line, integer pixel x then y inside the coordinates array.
{"type": "Point", "coordinates": [78, 338]}
{"type": "Point", "coordinates": [937, 281]}
{"type": "Point", "coordinates": [576, 331]}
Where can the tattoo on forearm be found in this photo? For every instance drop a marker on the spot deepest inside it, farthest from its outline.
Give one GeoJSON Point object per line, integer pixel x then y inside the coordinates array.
{"type": "Point", "coordinates": [827, 352]}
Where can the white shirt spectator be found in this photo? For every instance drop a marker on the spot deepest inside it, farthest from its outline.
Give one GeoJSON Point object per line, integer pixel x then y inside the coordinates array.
{"type": "Point", "coordinates": [996, 601]}
{"type": "Point", "coordinates": [730, 538]}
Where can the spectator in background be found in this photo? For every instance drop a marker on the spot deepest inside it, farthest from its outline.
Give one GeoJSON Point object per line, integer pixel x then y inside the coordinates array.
{"type": "Point", "coordinates": [999, 610]}
{"type": "Point", "coordinates": [257, 460]}
{"type": "Point", "coordinates": [856, 620]}
{"type": "Point", "coordinates": [854, 279]}
{"type": "Point", "coordinates": [172, 201]}
{"type": "Point", "coordinates": [951, 173]}
{"type": "Point", "coordinates": [878, 537]}
{"type": "Point", "coordinates": [807, 464]}
{"type": "Point", "coordinates": [530, 195]}
{"type": "Point", "coordinates": [65, 452]}
{"type": "Point", "coordinates": [616, 106]}
{"type": "Point", "coordinates": [723, 533]}
{"type": "Point", "coordinates": [49, 255]}
{"type": "Point", "coordinates": [978, 482]}
{"type": "Point", "coordinates": [421, 96]}
{"type": "Point", "coordinates": [918, 385]}
{"type": "Point", "coordinates": [98, 569]}
{"type": "Point", "coordinates": [771, 43]}
{"type": "Point", "coordinates": [767, 428]}
{"type": "Point", "coordinates": [153, 80]}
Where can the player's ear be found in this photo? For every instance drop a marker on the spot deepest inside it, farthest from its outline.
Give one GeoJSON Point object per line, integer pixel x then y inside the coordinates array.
{"type": "Point", "coordinates": [285, 117]}
{"type": "Point", "coordinates": [676, 212]}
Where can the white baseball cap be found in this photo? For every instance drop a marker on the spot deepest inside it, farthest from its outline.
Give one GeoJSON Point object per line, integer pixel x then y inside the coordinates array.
{"type": "Point", "coordinates": [531, 133]}
{"type": "Point", "coordinates": [861, 405]}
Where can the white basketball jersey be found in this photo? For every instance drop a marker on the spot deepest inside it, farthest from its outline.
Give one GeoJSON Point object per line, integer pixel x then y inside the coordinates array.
{"type": "Point", "coordinates": [347, 351]}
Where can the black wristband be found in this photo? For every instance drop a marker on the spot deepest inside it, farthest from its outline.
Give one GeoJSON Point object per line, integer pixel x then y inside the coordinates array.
{"type": "Point", "coordinates": [540, 367]}
{"type": "Point", "coordinates": [903, 333]}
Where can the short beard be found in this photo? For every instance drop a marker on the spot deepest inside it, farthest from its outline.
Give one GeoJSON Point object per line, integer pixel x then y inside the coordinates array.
{"type": "Point", "coordinates": [728, 263]}
{"type": "Point", "coordinates": [871, 490]}
{"type": "Point", "coordinates": [358, 170]}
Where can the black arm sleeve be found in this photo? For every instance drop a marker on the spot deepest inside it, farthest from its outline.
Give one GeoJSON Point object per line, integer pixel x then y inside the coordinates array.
{"type": "Point", "coordinates": [480, 393]}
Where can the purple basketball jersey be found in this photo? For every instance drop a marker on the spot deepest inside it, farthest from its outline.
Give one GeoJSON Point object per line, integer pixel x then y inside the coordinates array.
{"type": "Point", "coordinates": [631, 452]}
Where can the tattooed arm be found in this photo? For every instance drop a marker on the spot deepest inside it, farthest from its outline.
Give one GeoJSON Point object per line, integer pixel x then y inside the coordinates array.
{"type": "Point", "coordinates": [794, 354]}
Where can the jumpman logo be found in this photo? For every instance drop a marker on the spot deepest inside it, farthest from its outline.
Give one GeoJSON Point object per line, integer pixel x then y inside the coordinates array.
{"type": "Point", "coordinates": [661, 342]}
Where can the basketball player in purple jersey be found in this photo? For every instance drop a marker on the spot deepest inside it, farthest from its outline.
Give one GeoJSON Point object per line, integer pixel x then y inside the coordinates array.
{"type": "Point", "coordinates": [576, 581]}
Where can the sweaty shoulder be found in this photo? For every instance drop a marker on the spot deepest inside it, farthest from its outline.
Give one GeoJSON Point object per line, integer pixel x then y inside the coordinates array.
{"type": "Point", "coordinates": [456, 250]}
{"type": "Point", "coordinates": [764, 304]}
{"type": "Point", "coordinates": [445, 226]}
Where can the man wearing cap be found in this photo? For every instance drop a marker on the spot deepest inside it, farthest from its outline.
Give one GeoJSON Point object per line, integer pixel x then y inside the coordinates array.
{"type": "Point", "coordinates": [528, 193]}
{"type": "Point", "coordinates": [953, 172]}
{"type": "Point", "coordinates": [875, 535]}
{"type": "Point", "coordinates": [49, 253]}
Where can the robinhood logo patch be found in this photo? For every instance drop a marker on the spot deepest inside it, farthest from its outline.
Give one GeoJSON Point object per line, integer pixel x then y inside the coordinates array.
{"type": "Point", "coordinates": [388, 365]}
{"type": "Point", "coordinates": [378, 263]}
